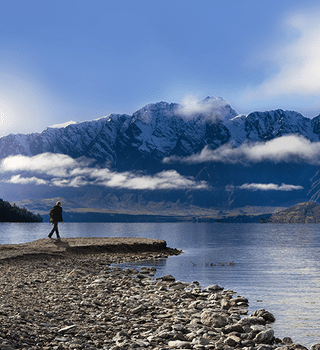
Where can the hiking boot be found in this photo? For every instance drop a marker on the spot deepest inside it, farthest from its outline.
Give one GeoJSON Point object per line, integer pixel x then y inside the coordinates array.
{"type": "Point", "coordinates": [49, 235]}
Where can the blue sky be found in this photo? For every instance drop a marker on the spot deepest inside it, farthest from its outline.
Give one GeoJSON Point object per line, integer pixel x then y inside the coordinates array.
{"type": "Point", "coordinates": [81, 60]}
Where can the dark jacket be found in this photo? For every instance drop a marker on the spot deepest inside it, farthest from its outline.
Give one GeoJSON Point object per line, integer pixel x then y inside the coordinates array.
{"type": "Point", "coordinates": [56, 213]}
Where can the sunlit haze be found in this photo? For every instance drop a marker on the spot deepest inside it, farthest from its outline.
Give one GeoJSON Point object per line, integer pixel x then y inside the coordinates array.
{"type": "Point", "coordinates": [66, 60]}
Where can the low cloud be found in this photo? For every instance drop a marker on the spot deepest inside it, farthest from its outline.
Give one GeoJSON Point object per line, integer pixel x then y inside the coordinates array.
{"type": "Point", "coordinates": [45, 163]}
{"type": "Point", "coordinates": [191, 106]}
{"type": "Point", "coordinates": [63, 171]}
{"type": "Point", "coordinates": [289, 148]}
{"type": "Point", "coordinates": [269, 187]}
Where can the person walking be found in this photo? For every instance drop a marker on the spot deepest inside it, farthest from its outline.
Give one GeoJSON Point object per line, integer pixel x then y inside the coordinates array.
{"type": "Point", "coordinates": [55, 217]}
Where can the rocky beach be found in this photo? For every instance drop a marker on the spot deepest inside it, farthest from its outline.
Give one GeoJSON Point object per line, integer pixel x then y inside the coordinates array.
{"type": "Point", "coordinates": [67, 294]}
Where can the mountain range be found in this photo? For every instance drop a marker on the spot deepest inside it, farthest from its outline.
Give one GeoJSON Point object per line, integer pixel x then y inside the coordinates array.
{"type": "Point", "coordinates": [160, 130]}
{"type": "Point", "coordinates": [169, 157]}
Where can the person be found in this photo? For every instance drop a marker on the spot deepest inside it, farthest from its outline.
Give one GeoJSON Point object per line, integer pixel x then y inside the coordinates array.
{"type": "Point", "coordinates": [55, 217]}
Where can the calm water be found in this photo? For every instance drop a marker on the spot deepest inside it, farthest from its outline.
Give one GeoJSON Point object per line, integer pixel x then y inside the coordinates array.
{"type": "Point", "coordinates": [276, 266]}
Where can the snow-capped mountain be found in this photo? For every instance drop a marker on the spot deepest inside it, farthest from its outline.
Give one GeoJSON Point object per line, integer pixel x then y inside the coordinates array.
{"type": "Point", "coordinates": [126, 144]}
{"type": "Point", "coordinates": [161, 130]}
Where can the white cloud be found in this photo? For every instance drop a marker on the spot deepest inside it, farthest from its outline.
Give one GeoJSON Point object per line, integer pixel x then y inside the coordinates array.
{"type": "Point", "coordinates": [17, 179]}
{"type": "Point", "coordinates": [163, 180]}
{"type": "Point", "coordinates": [269, 187]}
{"type": "Point", "coordinates": [63, 125]}
{"type": "Point", "coordinates": [297, 62]}
{"type": "Point", "coordinates": [63, 171]}
{"type": "Point", "coordinates": [191, 106]}
{"type": "Point", "coordinates": [288, 148]}
{"type": "Point", "coordinates": [50, 163]}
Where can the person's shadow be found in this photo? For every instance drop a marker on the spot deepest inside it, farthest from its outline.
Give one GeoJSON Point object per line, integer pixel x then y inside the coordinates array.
{"type": "Point", "coordinates": [61, 244]}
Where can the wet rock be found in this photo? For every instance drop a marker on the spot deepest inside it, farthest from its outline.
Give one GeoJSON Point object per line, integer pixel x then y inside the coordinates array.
{"type": "Point", "coordinates": [168, 278]}
{"type": "Point", "coordinates": [288, 340]}
{"type": "Point", "coordinates": [264, 314]}
{"type": "Point", "coordinates": [264, 337]}
{"type": "Point", "coordinates": [213, 287]}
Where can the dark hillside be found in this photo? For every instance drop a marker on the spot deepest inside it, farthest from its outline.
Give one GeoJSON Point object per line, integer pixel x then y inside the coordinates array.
{"type": "Point", "coordinates": [9, 213]}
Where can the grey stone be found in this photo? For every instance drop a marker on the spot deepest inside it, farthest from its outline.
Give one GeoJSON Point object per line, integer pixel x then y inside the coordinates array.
{"type": "Point", "coordinates": [252, 320]}
{"type": "Point", "coordinates": [233, 328]}
{"type": "Point", "coordinates": [233, 341]}
{"type": "Point", "coordinates": [265, 347]}
{"type": "Point", "coordinates": [288, 340]}
{"type": "Point", "coordinates": [178, 344]}
{"type": "Point", "coordinates": [265, 314]}
{"type": "Point", "coordinates": [168, 278]}
{"type": "Point", "coordinates": [264, 337]}
{"type": "Point", "coordinates": [213, 319]}
{"type": "Point", "coordinates": [213, 287]}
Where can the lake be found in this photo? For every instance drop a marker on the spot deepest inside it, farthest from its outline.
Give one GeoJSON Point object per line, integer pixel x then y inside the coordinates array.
{"type": "Point", "coordinates": [276, 266]}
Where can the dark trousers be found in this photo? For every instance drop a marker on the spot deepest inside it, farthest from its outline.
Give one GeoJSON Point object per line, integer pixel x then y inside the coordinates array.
{"type": "Point", "coordinates": [55, 228]}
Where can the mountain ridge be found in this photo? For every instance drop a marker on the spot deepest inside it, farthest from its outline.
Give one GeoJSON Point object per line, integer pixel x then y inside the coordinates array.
{"type": "Point", "coordinates": [160, 130]}
{"type": "Point", "coordinates": [133, 147]}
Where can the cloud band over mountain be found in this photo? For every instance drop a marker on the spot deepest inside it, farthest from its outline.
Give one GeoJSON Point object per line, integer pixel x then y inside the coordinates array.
{"type": "Point", "coordinates": [288, 148]}
{"type": "Point", "coordinates": [62, 171]}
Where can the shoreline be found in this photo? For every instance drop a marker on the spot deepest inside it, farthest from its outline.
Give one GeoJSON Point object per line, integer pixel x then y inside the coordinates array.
{"type": "Point", "coordinates": [68, 297]}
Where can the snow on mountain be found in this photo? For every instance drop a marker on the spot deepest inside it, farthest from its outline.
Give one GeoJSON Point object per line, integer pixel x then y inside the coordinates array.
{"type": "Point", "coordinates": [161, 130]}
{"type": "Point", "coordinates": [237, 130]}
{"type": "Point", "coordinates": [268, 125]}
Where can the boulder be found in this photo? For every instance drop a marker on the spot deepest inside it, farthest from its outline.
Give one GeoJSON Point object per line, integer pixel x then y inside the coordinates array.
{"type": "Point", "coordinates": [213, 287]}
{"type": "Point", "coordinates": [265, 314]}
{"type": "Point", "coordinates": [264, 337]}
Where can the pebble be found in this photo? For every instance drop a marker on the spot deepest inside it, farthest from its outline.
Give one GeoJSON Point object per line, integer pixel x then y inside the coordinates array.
{"type": "Point", "coordinates": [81, 302]}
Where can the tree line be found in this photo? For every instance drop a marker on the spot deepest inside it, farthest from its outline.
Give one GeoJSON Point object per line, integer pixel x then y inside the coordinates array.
{"type": "Point", "coordinates": [12, 213]}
